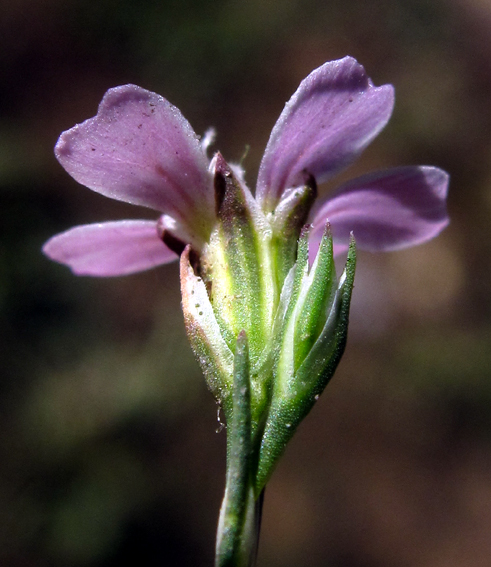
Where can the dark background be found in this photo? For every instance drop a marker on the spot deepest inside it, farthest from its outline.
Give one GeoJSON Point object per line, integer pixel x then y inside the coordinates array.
{"type": "Point", "coordinates": [108, 448]}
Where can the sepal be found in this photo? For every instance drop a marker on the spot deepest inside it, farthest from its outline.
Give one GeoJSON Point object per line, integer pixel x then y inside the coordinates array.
{"type": "Point", "coordinates": [236, 266]}
{"type": "Point", "coordinates": [318, 289]}
{"type": "Point", "coordinates": [237, 263]}
{"type": "Point", "coordinates": [300, 378]}
{"type": "Point", "coordinates": [204, 333]}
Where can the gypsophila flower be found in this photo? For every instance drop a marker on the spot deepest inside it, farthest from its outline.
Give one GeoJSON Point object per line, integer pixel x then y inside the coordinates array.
{"type": "Point", "coordinates": [264, 311]}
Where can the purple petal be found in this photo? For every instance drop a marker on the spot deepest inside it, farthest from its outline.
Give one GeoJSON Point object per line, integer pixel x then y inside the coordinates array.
{"type": "Point", "coordinates": [110, 249]}
{"type": "Point", "coordinates": [387, 210]}
{"type": "Point", "coordinates": [141, 150]}
{"type": "Point", "coordinates": [334, 114]}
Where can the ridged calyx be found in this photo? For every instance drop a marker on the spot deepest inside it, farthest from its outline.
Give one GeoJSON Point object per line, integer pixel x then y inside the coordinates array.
{"type": "Point", "coordinates": [254, 279]}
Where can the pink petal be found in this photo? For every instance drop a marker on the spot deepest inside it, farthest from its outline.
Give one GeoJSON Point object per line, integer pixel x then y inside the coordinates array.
{"type": "Point", "coordinates": [110, 249]}
{"type": "Point", "coordinates": [334, 114]}
{"type": "Point", "coordinates": [141, 150]}
{"type": "Point", "coordinates": [387, 210]}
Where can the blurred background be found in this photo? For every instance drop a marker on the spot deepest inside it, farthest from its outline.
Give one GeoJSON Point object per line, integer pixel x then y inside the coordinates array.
{"type": "Point", "coordinates": [109, 454]}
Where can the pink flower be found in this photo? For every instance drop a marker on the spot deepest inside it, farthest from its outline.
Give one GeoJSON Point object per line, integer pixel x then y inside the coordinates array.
{"type": "Point", "coordinates": [141, 150]}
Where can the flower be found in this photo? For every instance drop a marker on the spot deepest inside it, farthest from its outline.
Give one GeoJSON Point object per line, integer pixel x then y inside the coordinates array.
{"type": "Point", "coordinates": [264, 311]}
{"type": "Point", "coordinates": [141, 150]}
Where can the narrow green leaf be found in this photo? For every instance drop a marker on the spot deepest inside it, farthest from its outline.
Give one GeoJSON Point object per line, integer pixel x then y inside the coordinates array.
{"type": "Point", "coordinates": [236, 537]}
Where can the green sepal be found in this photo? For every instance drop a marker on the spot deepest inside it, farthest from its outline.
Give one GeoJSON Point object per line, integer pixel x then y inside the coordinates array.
{"type": "Point", "coordinates": [311, 316]}
{"type": "Point", "coordinates": [264, 371]}
{"type": "Point", "coordinates": [204, 334]}
{"type": "Point", "coordinates": [295, 392]}
{"type": "Point", "coordinates": [285, 320]}
{"type": "Point", "coordinates": [237, 263]}
{"type": "Point", "coordinates": [334, 334]}
{"type": "Point", "coordinates": [237, 266]}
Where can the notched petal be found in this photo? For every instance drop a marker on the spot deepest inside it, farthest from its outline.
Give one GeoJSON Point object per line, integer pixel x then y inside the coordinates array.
{"type": "Point", "coordinates": [334, 114]}
{"type": "Point", "coordinates": [140, 149]}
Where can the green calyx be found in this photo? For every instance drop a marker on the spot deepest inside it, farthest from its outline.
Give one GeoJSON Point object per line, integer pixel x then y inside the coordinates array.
{"type": "Point", "coordinates": [237, 264]}
{"type": "Point", "coordinates": [253, 281]}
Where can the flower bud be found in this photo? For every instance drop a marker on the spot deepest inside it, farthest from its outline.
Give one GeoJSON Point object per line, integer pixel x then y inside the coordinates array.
{"type": "Point", "coordinates": [311, 340]}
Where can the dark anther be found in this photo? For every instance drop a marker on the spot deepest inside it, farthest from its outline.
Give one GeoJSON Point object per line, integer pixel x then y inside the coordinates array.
{"type": "Point", "coordinates": [222, 171]}
{"type": "Point", "coordinates": [220, 185]}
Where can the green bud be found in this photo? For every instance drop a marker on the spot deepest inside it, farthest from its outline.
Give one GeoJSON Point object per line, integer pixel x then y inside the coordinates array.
{"type": "Point", "coordinates": [315, 301]}
{"type": "Point", "coordinates": [313, 338]}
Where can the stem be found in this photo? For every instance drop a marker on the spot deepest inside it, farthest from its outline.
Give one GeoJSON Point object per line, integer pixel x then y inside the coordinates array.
{"type": "Point", "coordinates": [240, 514]}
